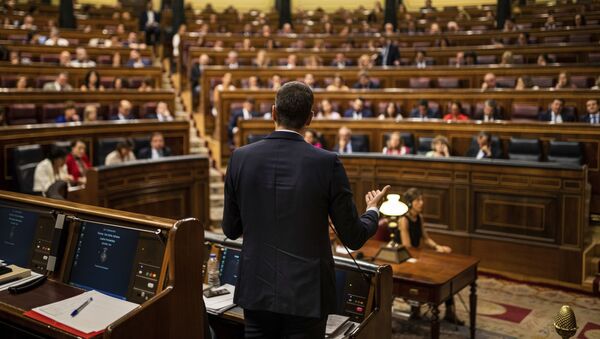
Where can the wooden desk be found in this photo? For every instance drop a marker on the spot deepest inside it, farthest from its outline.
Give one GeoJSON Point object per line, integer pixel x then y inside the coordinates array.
{"type": "Point", "coordinates": [173, 187]}
{"type": "Point", "coordinates": [433, 279]}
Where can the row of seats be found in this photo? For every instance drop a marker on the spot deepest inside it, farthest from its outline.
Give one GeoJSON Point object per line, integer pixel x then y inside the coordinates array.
{"type": "Point", "coordinates": [22, 114]}
{"type": "Point", "coordinates": [519, 111]}
{"type": "Point", "coordinates": [521, 149]}
{"type": "Point", "coordinates": [10, 81]}
{"type": "Point", "coordinates": [26, 158]}
{"type": "Point", "coordinates": [55, 58]}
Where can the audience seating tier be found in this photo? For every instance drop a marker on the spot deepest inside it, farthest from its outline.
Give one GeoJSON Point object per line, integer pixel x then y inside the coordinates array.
{"type": "Point", "coordinates": [176, 135]}
{"type": "Point", "coordinates": [35, 52]}
{"type": "Point", "coordinates": [460, 138]}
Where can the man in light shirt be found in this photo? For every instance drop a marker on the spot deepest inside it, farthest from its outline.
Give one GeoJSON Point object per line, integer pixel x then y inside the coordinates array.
{"type": "Point", "coordinates": [593, 112]}
{"type": "Point", "coordinates": [60, 84]}
{"type": "Point", "coordinates": [82, 59]}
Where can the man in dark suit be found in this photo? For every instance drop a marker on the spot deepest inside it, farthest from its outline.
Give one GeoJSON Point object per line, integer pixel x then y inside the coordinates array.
{"type": "Point", "coordinates": [124, 111]}
{"type": "Point", "coordinates": [365, 82]}
{"type": "Point", "coordinates": [150, 23]}
{"type": "Point", "coordinates": [347, 144]}
{"type": "Point", "coordinates": [484, 147]}
{"type": "Point", "coordinates": [245, 113]}
{"type": "Point", "coordinates": [389, 55]}
{"type": "Point", "coordinates": [593, 112]}
{"type": "Point", "coordinates": [490, 112]}
{"type": "Point", "coordinates": [423, 111]}
{"type": "Point", "coordinates": [279, 194]}
{"type": "Point", "coordinates": [556, 113]}
{"type": "Point", "coordinates": [157, 148]}
{"type": "Point", "coordinates": [358, 110]}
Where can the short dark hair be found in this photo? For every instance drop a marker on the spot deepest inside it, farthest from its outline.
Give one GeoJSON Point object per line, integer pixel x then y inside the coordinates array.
{"type": "Point", "coordinates": [486, 135]}
{"type": "Point", "coordinates": [594, 99]}
{"type": "Point", "coordinates": [74, 142]}
{"type": "Point", "coordinates": [562, 101]}
{"type": "Point", "coordinates": [57, 152]}
{"type": "Point", "coordinates": [423, 102]}
{"type": "Point", "coordinates": [127, 143]}
{"type": "Point", "coordinates": [293, 104]}
{"type": "Point", "coordinates": [411, 195]}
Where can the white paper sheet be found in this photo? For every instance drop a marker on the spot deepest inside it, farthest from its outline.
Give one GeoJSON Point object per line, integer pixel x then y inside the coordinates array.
{"type": "Point", "coordinates": [20, 281]}
{"type": "Point", "coordinates": [96, 316]}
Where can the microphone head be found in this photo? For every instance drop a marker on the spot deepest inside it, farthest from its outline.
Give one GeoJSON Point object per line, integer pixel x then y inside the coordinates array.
{"type": "Point", "coordinates": [565, 323]}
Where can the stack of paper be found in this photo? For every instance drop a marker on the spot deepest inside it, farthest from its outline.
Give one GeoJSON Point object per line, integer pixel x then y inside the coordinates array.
{"type": "Point", "coordinates": [334, 321]}
{"type": "Point", "coordinates": [96, 316]}
{"type": "Point", "coordinates": [220, 304]}
{"type": "Point", "coordinates": [5, 286]}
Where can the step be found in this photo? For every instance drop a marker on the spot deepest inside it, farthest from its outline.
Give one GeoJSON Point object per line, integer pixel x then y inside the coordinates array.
{"type": "Point", "coordinates": [217, 188]}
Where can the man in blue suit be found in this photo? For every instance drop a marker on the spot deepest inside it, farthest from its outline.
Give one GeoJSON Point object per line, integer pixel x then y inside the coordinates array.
{"type": "Point", "coordinates": [245, 113]}
{"type": "Point", "coordinates": [279, 194]}
{"type": "Point", "coordinates": [556, 113]}
{"type": "Point", "coordinates": [423, 111]}
{"type": "Point", "coordinates": [358, 110]}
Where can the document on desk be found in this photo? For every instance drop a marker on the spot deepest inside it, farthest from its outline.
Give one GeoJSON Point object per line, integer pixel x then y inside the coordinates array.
{"type": "Point", "coordinates": [334, 321]}
{"type": "Point", "coordinates": [95, 316]}
{"type": "Point", "coordinates": [220, 304]}
{"type": "Point", "coordinates": [9, 284]}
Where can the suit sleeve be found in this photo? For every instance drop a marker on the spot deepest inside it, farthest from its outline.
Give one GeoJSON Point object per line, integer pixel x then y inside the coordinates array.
{"type": "Point", "coordinates": [353, 230]}
{"type": "Point", "coordinates": [232, 221]}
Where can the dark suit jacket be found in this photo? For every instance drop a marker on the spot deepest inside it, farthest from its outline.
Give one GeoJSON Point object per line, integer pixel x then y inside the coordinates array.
{"type": "Point", "coordinates": [279, 192]}
{"type": "Point", "coordinates": [146, 152]}
{"type": "Point", "coordinates": [547, 116]}
{"type": "Point", "coordinates": [195, 76]}
{"type": "Point", "coordinates": [370, 85]}
{"type": "Point", "coordinates": [479, 116]}
{"type": "Point", "coordinates": [116, 117]}
{"type": "Point", "coordinates": [366, 113]}
{"type": "Point", "coordinates": [586, 118]}
{"type": "Point", "coordinates": [474, 149]}
{"type": "Point", "coordinates": [358, 145]}
{"type": "Point", "coordinates": [144, 19]}
{"type": "Point", "coordinates": [431, 114]}
{"type": "Point", "coordinates": [392, 55]}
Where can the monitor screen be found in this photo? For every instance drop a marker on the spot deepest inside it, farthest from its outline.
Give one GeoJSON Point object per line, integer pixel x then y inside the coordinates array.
{"type": "Point", "coordinates": [230, 261]}
{"type": "Point", "coordinates": [103, 258]}
{"type": "Point", "coordinates": [17, 235]}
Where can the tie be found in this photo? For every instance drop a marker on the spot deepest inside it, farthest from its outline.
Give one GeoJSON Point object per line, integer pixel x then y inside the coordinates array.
{"type": "Point", "coordinates": [385, 55]}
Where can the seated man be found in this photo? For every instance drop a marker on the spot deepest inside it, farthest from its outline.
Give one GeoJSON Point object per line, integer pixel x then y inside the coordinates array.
{"type": "Point", "coordinates": [122, 153]}
{"type": "Point", "coordinates": [82, 59]}
{"type": "Point", "coordinates": [556, 114]}
{"type": "Point", "coordinates": [157, 148]}
{"type": "Point", "coordinates": [136, 60]}
{"type": "Point", "coordinates": [423, 111]}
{"type": "Point", "coordinates": [489, 82]}
{"type": "Point", "coordinates": [162, 113]}
{"type": "Point", "coordinates": [69, 115]}
{"type": "Point", "coordinates": [346, 145]}
{"type": "Point", "coordinates": [51, 170]}
{"type": "Point", "coordinates": [485, 148]}
{"type": "Point", "coordinates": [60, 84]}
{"type": "Point", "coordinates": [365, 82]}
{"type": "Point", "coordinates": [490, 112]}
{"type": "Point", "coordinates": [593, 114]}
{"type": "Point", "coordinates": [245, 113]}
{"type": "Point", "coordinates": [124, 112]}
{"type": "Point", "coordinates": [78, 162]}
{"type": "Point", "coordinates": [358, 110]}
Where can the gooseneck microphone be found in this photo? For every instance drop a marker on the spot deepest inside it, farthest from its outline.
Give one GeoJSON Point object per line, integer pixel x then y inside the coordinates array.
{"type": "Point", "coordinates": [565, 323]}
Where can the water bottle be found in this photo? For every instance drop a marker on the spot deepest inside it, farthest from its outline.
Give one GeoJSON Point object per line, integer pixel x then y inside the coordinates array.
{"type": "Point", "coordinates": [213, 271]}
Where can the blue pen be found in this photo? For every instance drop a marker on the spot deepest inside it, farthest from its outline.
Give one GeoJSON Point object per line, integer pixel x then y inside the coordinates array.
{"type": "Point", "coordinates": [80, 308]}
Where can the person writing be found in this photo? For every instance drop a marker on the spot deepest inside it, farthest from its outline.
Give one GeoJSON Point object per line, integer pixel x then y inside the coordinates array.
{"type": "Point", "coordinates": [414, 235]}
{"type": "Point", "coordinates": [279, 195]}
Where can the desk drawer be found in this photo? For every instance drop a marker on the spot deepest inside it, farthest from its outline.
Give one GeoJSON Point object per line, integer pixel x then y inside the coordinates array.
{"type": "Point", "coordinates": [413, 292]}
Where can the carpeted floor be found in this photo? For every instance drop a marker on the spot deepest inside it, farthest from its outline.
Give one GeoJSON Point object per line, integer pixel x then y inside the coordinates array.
{"type": "Point", "coordinates": [507, 309]}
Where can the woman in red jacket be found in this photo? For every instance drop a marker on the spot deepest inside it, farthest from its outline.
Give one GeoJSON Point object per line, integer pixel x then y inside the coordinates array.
{"type": "Point", "coordinates": [78, 162]}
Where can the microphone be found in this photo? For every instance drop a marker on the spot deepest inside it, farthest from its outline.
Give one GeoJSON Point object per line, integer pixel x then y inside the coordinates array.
{"type": "Point", "coordinates": [565, 323]}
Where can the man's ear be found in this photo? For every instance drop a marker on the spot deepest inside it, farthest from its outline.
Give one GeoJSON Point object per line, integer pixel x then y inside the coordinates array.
{"type": "Point", "coordinates": [310, 117]}
{"type": "Point", "coordinates": [274, 113]}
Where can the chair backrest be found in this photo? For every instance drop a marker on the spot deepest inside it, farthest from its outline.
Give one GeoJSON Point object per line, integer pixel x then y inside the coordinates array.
{"type": "Point", "coordinates": [103, 147]}
{"type": "Point", "coordinates": [147, 109]}
{"type": "Point", "coordinates": [524, 111]}
{"type": "Point", "coordinates": [506, 81]}
{"type": "Point", "coordinates": [542, 81]}
{"type": "Point", "coordinates": [424, 145]}
{"type": "Point", "coordinates": [21, 114]}
{"type": "Point", "coordinates": [486, 59]}
{"type": "Point", "coordinates": [51, 111]}
{"type": "Point", "coordinates": [420, 82]}
{"type": "Point", "coordinates": [362, 141]}
{"type": "Point", "coordinates": [524, 149]}
{"type": "Point", "coordinates": [27, 154]}
{"type": "Point", "coordinates": [565, 152]}
{"type": "Point", "coordinates": [448, 82]}
{"type": "Point", "coordinates": [25, 174]}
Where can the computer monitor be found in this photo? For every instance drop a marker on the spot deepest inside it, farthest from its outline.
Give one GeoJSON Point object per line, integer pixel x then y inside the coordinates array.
{"type": "Point", "coordinates": [230, 262]}
{"type": "Point", "coordinates": [25, 236]}
{"type": "Point", "coordinates": [103, 258]}
{"type": "Point", "coordinates": [352, 293]}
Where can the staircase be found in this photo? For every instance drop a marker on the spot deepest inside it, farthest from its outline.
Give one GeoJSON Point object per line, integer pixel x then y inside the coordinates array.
{"type": "Point", "coordinates": [591, 257]}
{"type": "Point", "coordinates": [199, 145]}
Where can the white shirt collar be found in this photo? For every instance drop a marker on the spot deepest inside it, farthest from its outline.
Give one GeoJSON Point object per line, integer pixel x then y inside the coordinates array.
{"type": "Point", "coordinates": [288, 131]}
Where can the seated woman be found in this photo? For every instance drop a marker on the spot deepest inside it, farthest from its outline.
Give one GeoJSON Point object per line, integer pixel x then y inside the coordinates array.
{"type": "Point", "coordinates": [90, 113]}
{"type": "Point", "coordinates": [22, 83]}
{"type": "Point", "coordinates": [456, 112]}
{"type": "Point", "coordinates": [439, 148]}
{"type": "Point", "coordinates": [412, 234]}
{"type": "Point", "coordinates": [78, 162]}
{"type": "Point", "coordinates": [92, 82]}
{"type": "Point", "coordinates": [311, 137]}
{"type": "Point", "coordinates": [51, 170]}
{"type": "Point", "coordinates": [338, 84]}
{"type": "Point", "coordinates": [326, 111]}
{"type": "Point", "coordinates": [391, 112]}
{"type": "Point", "coordinates": [395, 145]}
{"type": "Point", "coordinates": [123, 153]}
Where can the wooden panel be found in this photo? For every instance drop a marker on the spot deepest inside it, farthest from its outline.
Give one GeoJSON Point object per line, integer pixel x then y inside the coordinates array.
{"type": "Point", "coordinates": [571, 220]}
{"type": "Point", "coordinates": [515, 215]}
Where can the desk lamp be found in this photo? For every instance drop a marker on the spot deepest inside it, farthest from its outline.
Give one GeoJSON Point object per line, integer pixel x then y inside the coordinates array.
{"type": "Point", "coordinates": [393, 251]}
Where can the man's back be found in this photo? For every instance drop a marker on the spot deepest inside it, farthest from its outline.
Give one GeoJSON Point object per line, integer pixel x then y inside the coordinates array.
{"type": "Point", "coordinates": [284, 189]}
